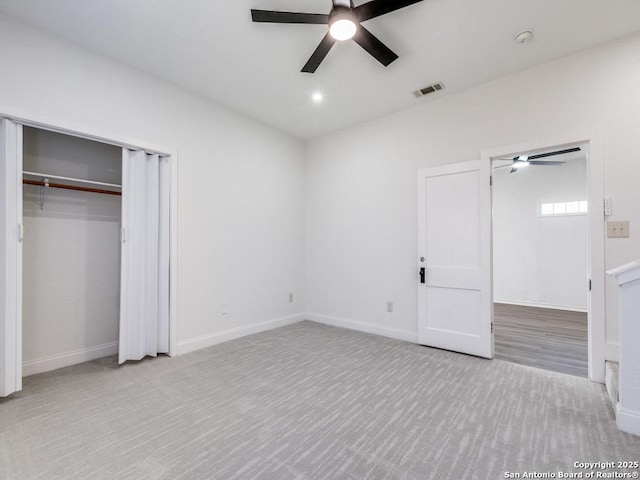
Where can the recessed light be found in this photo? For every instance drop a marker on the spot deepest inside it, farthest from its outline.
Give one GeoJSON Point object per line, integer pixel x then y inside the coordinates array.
{"type": "Point", "coordinates": [317, 97]}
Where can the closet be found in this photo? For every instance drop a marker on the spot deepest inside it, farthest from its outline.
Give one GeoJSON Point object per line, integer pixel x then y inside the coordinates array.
{"type": "Point", "coordinates": [71, 249]}
{"type": "Point", "coordinates": [85, 252]}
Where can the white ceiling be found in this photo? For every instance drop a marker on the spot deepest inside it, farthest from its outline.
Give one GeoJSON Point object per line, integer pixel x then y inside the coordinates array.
{"type": "Point", "coordinates": [213, 48]}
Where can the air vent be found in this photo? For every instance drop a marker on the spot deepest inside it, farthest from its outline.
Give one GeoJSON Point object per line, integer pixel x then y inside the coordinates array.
{"type": "Point", "coordinates": [430, 89]}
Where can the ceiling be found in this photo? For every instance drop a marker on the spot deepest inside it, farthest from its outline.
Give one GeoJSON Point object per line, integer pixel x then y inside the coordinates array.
{"type": "Point", "coordinates": [213, 48]}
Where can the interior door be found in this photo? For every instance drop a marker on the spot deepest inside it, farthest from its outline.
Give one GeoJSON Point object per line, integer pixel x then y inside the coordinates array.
{"type": "Point", "coordinates": [455, 306]}
{"type": "Point", "coordinates": [10, 257]}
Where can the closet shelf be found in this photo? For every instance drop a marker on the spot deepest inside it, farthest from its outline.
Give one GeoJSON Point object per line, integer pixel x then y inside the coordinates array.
{"type": "Point", "coordinates": [44, 182]}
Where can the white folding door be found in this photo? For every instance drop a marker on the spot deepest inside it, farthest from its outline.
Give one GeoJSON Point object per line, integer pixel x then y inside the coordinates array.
{"type": "Point", "coordinates": [144, 289]}
{"type": "Point", "coordinates": [10, 257]}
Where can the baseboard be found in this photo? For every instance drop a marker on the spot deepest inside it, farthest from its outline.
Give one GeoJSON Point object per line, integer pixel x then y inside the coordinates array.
{"type": "Point", "coordinates": [192, 344]}
{"type": "Point", "coordinates": [364, 327]}
{"type": "Point", "coordinates": [612, 352]}
{"type": "Point", "coordinates": [628, 420]}
{"type": "Point", "coordinates": [522, 303]}
{"type": "Point", "coordinates": [67, 359]}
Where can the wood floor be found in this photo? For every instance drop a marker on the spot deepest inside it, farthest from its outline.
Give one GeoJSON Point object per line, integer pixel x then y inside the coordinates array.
{"type": "Point", "coordinates": [541, 337]}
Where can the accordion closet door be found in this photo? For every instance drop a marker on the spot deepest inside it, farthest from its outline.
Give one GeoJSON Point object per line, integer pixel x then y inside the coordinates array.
{"type": "Point", "coordinates": [10, 257]}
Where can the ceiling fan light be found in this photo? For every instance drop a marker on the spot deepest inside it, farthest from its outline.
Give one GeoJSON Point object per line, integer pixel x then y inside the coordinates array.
{"type": "Point", "coordinates": [342, 28]}
{"type": "Point", "coordinates": [521, 162]}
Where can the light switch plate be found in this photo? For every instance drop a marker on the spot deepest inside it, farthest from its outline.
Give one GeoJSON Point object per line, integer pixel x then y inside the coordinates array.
{"type": "Point", "coordinates": [618, 229]}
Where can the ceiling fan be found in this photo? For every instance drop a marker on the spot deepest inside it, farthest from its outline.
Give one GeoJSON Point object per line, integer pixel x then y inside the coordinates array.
{"type": "Point", "coordinates": [525, 160]}
{"type": "Point", "coordinates": [344, 21]}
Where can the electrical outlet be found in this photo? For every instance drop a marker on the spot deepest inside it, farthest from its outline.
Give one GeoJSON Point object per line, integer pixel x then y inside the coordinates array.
{"type": "Point", "coordinates": [224, 309]}
{"type": "Point", "coordinates": [618, 229]}
{"type": "Point", "coordinates": [291, 298]}
{"type": "Point", "coordinates": [389, 306]}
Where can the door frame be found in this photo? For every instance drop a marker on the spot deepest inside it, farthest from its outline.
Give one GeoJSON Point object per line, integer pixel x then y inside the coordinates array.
{"type": "Point", "coordinates": [598, 349]}
{"type": "Point", "coordinates": [59, 125]}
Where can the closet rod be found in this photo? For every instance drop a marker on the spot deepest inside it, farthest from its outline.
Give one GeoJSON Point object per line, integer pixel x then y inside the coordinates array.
{"type": "Point", "coordinates": [70, 187]}
{"type": "Point", "coordinates": [79, 180]}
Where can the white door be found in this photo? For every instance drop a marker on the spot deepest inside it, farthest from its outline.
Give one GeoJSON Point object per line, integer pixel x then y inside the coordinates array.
{"type": "Point", "coordinates": [455, 307]}
{"type": "Point", "coordinates": [10, 257]}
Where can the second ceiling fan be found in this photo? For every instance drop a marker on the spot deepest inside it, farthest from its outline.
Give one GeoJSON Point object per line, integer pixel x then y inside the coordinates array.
{"type": "Point", "coordinates": [344, 23]}
{"type": "Point", "coordinates": [525, 160]}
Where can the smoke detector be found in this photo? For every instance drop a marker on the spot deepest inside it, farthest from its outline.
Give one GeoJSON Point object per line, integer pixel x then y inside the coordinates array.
{"type": "Point", "coordinates": [524, 36]}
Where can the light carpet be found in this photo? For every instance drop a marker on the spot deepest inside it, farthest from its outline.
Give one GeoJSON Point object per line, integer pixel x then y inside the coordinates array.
{"type": "Point", "coordinates": [306, 401]}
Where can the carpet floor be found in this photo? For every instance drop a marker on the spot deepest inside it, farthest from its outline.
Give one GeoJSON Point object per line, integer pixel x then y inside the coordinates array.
{"type": "Point", "coordinates": [307, 401]}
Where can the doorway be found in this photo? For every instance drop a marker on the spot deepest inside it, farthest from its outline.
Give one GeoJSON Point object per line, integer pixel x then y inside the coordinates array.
{"type": "Point", "coordinates": [540, 258]}
{"type": "Point", "coordinates": [478, 232]}
{"type": "Point", "coordinates": [593, 143]}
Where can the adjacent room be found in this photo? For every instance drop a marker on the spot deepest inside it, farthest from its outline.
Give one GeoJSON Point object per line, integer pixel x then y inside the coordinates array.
{"type": "Point", "coordinates": [540, 260]}
{"type": "Point", "coordinates": [272, 239]}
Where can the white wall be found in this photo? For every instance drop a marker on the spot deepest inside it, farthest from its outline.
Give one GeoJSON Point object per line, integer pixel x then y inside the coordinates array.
{"type": "Point", "coordinates": [361, 182]}
{"type": "Point", "coordinates": [241, 199]}
{"type": "Point", "coordinates": [540, 261]}
{"type": "Point", "coordinates": [240, 184]}
{"type": "Point", "coordinates": [71, 252]}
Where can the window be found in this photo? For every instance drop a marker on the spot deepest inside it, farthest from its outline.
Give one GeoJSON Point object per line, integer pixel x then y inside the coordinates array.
{"type": "Point", "coordinates": [557, 209]}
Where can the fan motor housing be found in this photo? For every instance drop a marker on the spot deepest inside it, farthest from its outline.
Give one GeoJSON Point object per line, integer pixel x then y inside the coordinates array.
{"type": "Point", "coordinates": [338, 12]}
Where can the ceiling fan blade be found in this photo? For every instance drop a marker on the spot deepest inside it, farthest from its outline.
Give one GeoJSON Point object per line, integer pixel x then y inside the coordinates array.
{"type": "Point", "coordinates": [503, 166]}
{"type": "Point", "coordinates": [536, 162]}
{"type": "Point", "coordinates": [375, 8]}
{"type": "Point", "coordinates": [270, 16]}
{"type": "Point", "coordinates": [318, 55]}
{"type": "Point", "coordinates": [557, 152]}
{"type": "Point", "coordinates": [375, 47]}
